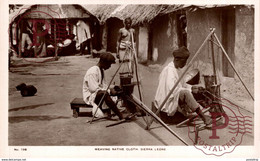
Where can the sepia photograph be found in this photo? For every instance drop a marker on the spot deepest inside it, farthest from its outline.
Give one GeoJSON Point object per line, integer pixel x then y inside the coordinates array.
{"type": "Point", "coordinates": [132, 78]}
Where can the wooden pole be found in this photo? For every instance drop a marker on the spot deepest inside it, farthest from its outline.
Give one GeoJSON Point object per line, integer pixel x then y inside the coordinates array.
{"type": "Point", "coordinates": [19, 41]}
{"type": "Point", "coordinates": [213, 59]}
{"type": "Point", "coordinates": [232, 65]}
{"type": "Point", "coordinates": [139, 103]}
{"type": "Point", "coordinates": [215, 73]}
{"type": "Point", "coordinates": [180, 78]}
{"type": "Point", "coordinates": [11, 34]}
{"type": "Point", "coordinates": [55, 41]}
{"type": "Point", "coordinates": [136, 70]}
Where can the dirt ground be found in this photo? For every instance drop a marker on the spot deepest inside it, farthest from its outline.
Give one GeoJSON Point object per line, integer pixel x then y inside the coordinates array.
{"type": "Point", "coordinates": [46, 118]}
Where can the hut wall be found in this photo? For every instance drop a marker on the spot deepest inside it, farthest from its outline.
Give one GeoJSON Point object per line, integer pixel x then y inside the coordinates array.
{"type": "Point", "coordinates": [165, 38]}
{"type": "Point", "coordinates": [244, 46]}
{"type": "Point", "coordinates": [143, 38]}
{"type": "Point", "coordinates": [199, 23]}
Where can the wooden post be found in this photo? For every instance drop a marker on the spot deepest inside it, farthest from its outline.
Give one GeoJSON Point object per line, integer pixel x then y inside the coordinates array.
{"type": "Point", "coordinates": [19, 37]}
{"type": "Point", "coordinates": [139, 103]}
{"type": "Point", "coordinates": [136, 70]}
{"type": "Point", "coordinates": [11, 34]}
{"type": "Point", "coordinates": [218, 107]}
{"type": "Point", "coordinates": [55, 41]}
{"type": "Point", "coordinates": [213, 59]}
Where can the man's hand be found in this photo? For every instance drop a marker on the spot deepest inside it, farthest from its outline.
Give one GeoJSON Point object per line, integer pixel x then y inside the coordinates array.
{"type": "Point", "coordinates": [115, 91]}
{"type": "Point", "coordinates": [197, 89]}
{"type": "Point", "coordinates": [117, 88]}
{"type": "Point", "coordinates": [117, 53]}
{"type": "Point", "coordinates": [194, 89]}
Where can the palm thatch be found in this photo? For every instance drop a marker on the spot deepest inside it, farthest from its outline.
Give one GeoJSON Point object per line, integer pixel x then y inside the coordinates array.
{"type": "Point", "coordinates": [102, 12]}
{"type": "Point", "coordinates": [140, 14]}
{"type": "Point", "coordinates": [13, 16]}
{"type": "Point", "coordinates": [192, 8]}
{"type": "Point", "coordinates": [49, 12]}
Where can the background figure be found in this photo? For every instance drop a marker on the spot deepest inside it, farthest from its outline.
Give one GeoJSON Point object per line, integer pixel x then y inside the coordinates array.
{"type": "Point", "coordinates": [40, 40]}
{"type": "Point", "coordinates": [84, 36]}
{"type": "Point", "coordinates": [183, 26]}
{"type": "Point", "coordinates": [26, 31]}
{"type": "Point", "coordinates": [68, 46]}
{"type": "Point", "coordinates": [124, 44]}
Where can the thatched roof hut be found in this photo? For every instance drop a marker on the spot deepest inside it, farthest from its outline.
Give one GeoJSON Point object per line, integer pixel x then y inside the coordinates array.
{"type": "Point", "coordinates": [60, 20]}
{"type": "Point", "coordinates": [50, 12]}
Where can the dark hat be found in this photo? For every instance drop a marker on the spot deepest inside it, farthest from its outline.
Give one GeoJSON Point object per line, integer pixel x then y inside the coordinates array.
{"type": "Point", "coordinates": [107, 57]}
{"type": "Point", "coordinates": [182, 53]}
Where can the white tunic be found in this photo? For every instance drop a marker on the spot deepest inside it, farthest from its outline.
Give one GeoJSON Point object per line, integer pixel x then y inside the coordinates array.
{"type": "Point", "coordinates": [167, 79]}
{"type": "Point", "coordinates": [91, 85]}
{"type": "Point", "coordinates": [83, 31]}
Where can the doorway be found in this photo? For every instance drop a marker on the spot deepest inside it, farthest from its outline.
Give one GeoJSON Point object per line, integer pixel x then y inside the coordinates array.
{"type": "Point", "coordinates": [113, 26]}
{"type": "Point", "coordinates": [182, 29]}
{"type": "Point", "coordinates": [228, 40]}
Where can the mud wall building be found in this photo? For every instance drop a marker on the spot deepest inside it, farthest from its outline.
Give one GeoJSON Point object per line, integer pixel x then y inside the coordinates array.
{"type": "Point", "coordinates": [111, 20]}
{"type": "Point", "coordinates": [235, 29]}
{"type": "Point", "coordinates": [164, 37]}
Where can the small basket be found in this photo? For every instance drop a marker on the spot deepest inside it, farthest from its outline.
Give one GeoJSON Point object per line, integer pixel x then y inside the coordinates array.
{"type": "Point", "coordinates": [126, 84]}
{"type": "Point", "coordinates": [125, 78]}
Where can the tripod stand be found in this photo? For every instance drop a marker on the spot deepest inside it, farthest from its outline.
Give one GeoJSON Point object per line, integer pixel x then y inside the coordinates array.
{"type": "Point", "coordinates": [128, 61]}
{"type": "Point", "coordinates": [211, 36]}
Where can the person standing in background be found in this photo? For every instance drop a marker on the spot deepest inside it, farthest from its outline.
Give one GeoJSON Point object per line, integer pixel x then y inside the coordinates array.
{"type": "Point", "coordinates": [124, 44]}
{"type": "Point", "coordinates": [84, 36]}
{"type": "Point", "coordinates": [26, 30]}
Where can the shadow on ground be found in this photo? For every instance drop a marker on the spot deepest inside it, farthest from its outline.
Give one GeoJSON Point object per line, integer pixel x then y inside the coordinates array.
{"type": "Point", "coordinates": [18, 119]}
{"type": "Point", "coordinates": [29, 107]}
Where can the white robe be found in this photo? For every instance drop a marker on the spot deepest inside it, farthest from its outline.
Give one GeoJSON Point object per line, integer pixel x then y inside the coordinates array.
{"type": "Point", "coordinates": [167, 79]}
{"type": "Point", "coordinates": [91, 85]}
{"type": "Point", "coordinates": [83, 31]}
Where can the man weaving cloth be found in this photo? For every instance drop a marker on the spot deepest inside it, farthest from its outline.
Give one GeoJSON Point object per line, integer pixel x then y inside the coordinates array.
{"type": "Point", "coordinates": [181, 97]}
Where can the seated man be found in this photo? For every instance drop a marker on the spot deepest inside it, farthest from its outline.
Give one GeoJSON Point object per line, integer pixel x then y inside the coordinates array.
{"type": "Point", "coordinates": [181, 96]}
{"type": "Point", "coordinates": [94, 87]}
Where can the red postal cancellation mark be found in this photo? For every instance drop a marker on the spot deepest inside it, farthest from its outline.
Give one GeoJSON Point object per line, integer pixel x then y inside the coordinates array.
{"type": "Point", "coordinates": [40, 29]}
{"type": "Point", "coordinates": [226, 133]}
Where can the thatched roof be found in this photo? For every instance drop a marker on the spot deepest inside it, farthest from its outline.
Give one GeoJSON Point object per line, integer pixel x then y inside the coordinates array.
{"type": "Point", "coordinates": [17, 12]}
{"type": "Point", "coordinates": [49, 12]}
{"type": "Point", "coordinates": [192, 8]}
{"type": "Point", "coordinates": [102, 12]}
{"type": "Point", "coordinates": [139, 14]}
